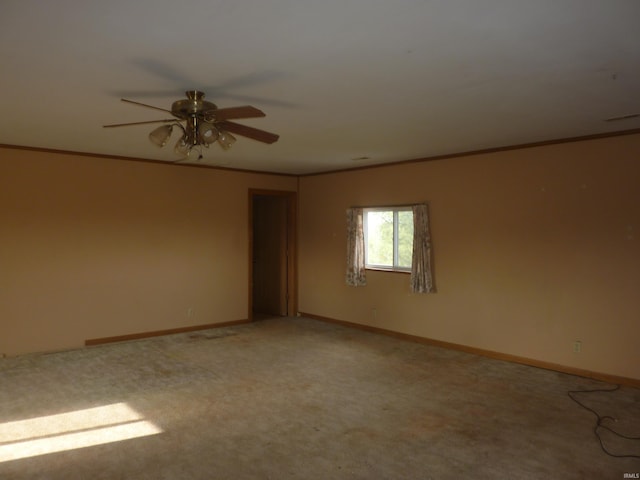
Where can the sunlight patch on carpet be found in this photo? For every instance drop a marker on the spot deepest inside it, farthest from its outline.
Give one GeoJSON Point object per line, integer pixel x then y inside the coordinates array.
{"type": "Point", "coordinates": [72, 430]}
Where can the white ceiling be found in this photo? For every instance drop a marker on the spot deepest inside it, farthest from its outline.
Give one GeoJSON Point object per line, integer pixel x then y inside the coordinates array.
{"type": "Point", "coordinates": [339, 79]}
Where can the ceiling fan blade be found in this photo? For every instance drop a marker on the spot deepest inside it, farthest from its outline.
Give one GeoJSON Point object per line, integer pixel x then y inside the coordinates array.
{"type": "Point", "coordinates": [246, 111]}
{"type": "Point", "coordinates": [139, 123]}
{"type": "Point", "coordinates": [145, 105]}
{"type": "Point", "coordinates": [249, 132]}
{"type": "Point", "coordinates": [622, 117]}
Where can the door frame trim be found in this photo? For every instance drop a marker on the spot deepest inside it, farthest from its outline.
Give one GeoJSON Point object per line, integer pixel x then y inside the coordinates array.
{"type": "Point", "coordinates": [292, 242]}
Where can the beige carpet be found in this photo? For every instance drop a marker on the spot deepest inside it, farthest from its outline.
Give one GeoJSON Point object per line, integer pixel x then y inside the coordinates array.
{"type": "Point", "coordinates": [300, 399]}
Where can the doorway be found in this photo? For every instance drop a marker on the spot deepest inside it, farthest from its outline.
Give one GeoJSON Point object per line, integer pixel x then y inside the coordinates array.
{"type": "Point", "coordinates": [272, 247]}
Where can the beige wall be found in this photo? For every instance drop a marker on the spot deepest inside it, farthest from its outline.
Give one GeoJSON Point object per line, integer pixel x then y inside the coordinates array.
{"type": "Point", "coordinates": [94, 247]}
{"type": "Point", "coordinates": [533, 249]}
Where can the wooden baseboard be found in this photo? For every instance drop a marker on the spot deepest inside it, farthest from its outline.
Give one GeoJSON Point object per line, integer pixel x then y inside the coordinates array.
{"type": "Point", "coordinates": [158, 333]}
{"type": "Point", "coordinates": [633, 382]}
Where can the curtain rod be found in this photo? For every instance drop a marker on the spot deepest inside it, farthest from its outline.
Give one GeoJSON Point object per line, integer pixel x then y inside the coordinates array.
{"type": "Point", "coordinates": [394, 205]}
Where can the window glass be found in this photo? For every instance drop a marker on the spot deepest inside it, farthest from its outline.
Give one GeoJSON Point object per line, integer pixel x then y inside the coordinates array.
{"type": "Point", "coordinates": [405, 238]}
{"type": "Point", "coordinates": [379, 235]}
{"type": "Point", "coordinates": [388, 238]}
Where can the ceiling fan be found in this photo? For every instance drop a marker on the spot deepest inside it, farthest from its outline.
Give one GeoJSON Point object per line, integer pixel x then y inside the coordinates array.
{"type": "Point", "coordinates": [204, 124]}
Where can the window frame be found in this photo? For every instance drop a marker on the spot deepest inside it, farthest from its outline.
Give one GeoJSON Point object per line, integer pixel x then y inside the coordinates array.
{"type": "Point", "coordinates": [386, 268]}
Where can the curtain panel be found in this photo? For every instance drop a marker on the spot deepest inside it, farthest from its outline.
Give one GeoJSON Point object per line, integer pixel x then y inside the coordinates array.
{"type": "Point", "coordinates": [355, 275]}
{"type": "Point", "coordinates": [421, 274]}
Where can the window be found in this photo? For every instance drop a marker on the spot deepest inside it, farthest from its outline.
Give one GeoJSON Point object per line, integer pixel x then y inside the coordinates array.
{"type": "Point", "coordinates": [388, 237]}
{"type": "Point", "coordinates": [384, 239]}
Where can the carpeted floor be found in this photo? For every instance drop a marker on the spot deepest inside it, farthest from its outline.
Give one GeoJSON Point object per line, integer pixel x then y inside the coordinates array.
{"type": "Point", "coordinates": [293, 398]}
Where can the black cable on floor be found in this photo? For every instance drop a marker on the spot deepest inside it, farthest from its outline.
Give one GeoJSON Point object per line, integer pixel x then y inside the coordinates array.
{"type": "Point", "coordinates": [600, 419]}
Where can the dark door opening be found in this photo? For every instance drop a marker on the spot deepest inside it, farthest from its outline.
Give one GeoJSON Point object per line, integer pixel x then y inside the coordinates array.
{"type": "Point", "coordinates": [272, 264]}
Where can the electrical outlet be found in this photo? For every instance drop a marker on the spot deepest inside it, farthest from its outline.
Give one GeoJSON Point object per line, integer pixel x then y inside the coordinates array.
{"type": "Point", "coordinates": [190, 312]}
{"type": "Point", "coordinates": [374, 313]}
{"type": "Point", "coordinates": [577, 346]}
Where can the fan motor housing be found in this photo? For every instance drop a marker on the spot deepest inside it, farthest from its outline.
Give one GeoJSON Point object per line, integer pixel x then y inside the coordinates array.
{"type": "Point", "coordinates": [194, 105]}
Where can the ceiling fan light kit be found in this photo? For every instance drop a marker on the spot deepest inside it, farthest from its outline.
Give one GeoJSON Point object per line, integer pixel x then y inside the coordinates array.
{"type": "Point", "coordinates": [161, 135]}
{"type": "Point", "coordinates": [204, 124]}
{"type": "Point", "coordinates": [226, 140]}
{"type": "Point", "coordinates": [208, 132]}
